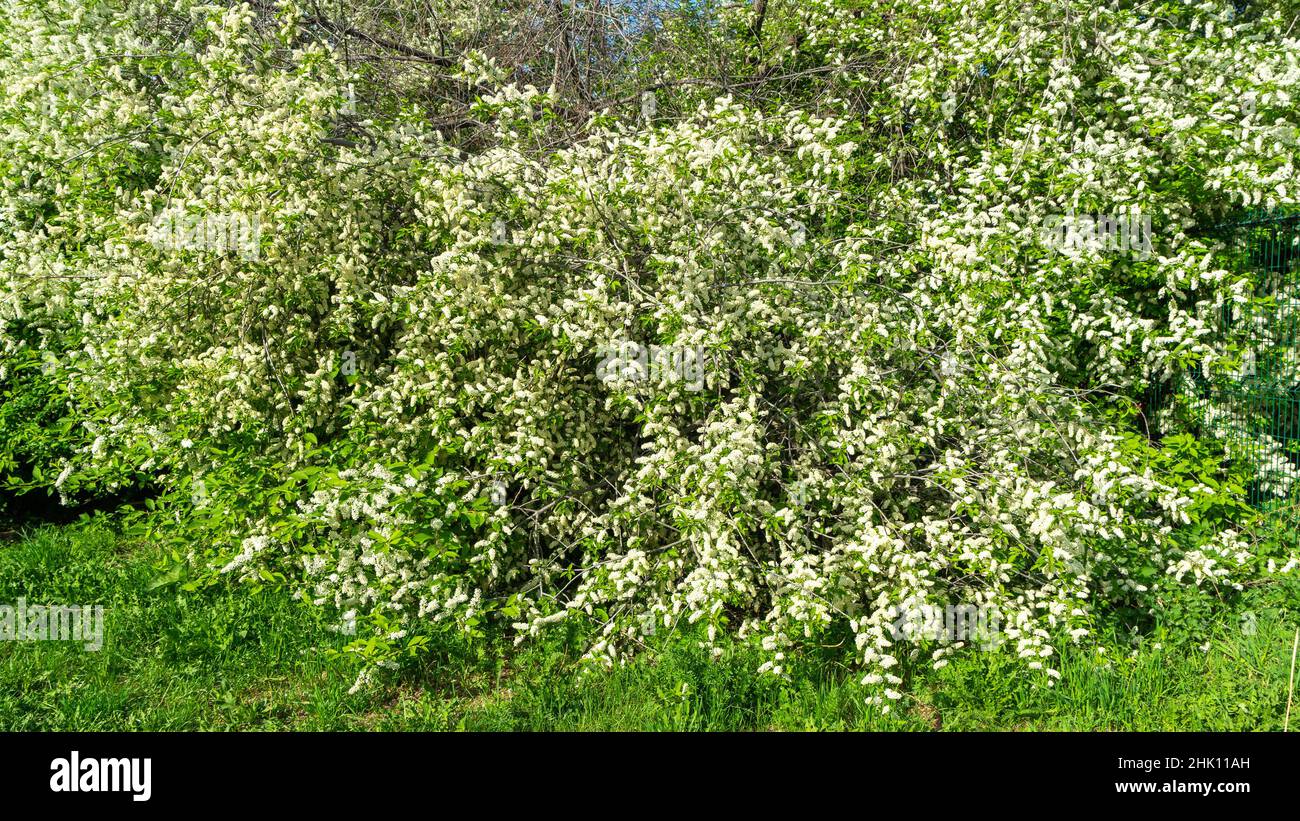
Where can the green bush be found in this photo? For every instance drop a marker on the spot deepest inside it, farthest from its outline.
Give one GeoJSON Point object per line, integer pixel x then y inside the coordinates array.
{"type": "Point", "coordinates": [782, 370]}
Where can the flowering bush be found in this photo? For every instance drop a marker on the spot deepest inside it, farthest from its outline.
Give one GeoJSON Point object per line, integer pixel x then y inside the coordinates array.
{"type": "Point", "coordinates": [401, 398]}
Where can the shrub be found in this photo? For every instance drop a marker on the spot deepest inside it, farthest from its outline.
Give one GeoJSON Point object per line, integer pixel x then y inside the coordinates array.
{"type": "Point", "coordinates": [780, 370]}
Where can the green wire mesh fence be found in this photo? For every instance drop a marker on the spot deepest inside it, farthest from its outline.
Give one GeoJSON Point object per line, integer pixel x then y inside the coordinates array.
{"type": "Point", "coordinates": [1254, 410]}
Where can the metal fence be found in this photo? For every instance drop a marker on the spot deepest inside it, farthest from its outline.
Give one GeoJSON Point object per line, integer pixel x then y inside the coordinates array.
{"type": "Point", "coordinates": [1254, 409]}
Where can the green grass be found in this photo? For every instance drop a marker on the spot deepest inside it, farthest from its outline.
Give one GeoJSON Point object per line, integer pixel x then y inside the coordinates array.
{"type": "Point", "coordinates": [234, 658]}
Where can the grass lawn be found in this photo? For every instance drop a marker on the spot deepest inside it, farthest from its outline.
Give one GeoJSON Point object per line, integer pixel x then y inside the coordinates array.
{"type": "Point", "coordinates": [239, 659]}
